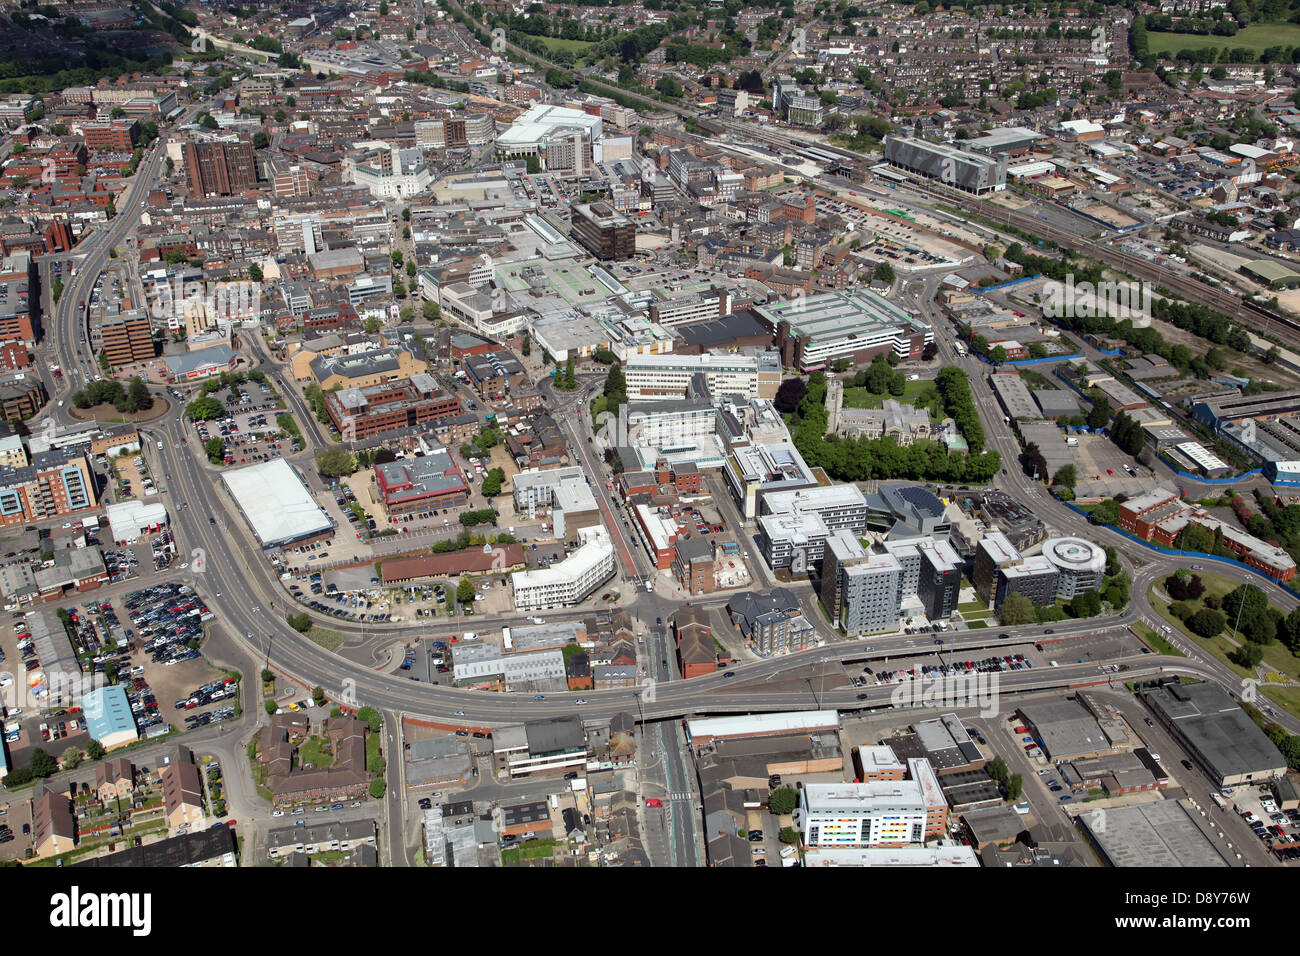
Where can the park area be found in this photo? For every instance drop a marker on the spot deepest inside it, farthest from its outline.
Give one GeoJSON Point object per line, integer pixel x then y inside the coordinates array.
{"type": "Point", "coordinates": [1235, 622]}
{"type": "Point", "coordinates": [1257, 37]}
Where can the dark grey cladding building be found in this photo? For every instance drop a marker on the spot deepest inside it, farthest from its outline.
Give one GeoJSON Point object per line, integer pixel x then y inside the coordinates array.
{"type": "Point", "coordinates": [973, 172]}
{"type": "Point", "coordinates": [1220, 736]}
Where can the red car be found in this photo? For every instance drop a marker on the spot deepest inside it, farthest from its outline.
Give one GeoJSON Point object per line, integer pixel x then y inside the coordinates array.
{"type": "Point", "coordinates": [653, 802]}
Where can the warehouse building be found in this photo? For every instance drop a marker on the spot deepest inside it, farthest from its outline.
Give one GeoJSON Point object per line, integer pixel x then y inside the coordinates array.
{"type": "Point", "coordinates": [276, 504]}
{"type": "Point", "coordinates": [1223, 741]}
{"type": "Point", "coordinates": [1161, 834]}
{"type": "Point", "coordinates": [1066, 730]}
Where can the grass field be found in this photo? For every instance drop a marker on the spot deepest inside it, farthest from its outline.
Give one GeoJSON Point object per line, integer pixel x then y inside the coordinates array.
{"type": "Point", "coordinates": [578, 47]}
{"type": "Point", "coordinates": [532, 850]}
{"type": "Point", "coordinates": [861, 398]}
{"type": "Point", "coordinates": [325, 637]}
{"type": "Point", "coordinates": [1257, 37]}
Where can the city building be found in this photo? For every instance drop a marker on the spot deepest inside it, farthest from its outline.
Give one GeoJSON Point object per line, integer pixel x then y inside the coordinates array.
{"type": "Point", "coordinates": [569, 581]}
{"type": "Point", "coordinates": [57, 483]}
{"type": "Point", "coordinates": [772, 622]}
{"type": "Point", "coordinates": [540, 747]}
{"type": "Point", "coordinates": [605, 233]}
{"type": "Point", "coordinates": [54, 825]}
{"type": "Point", "coordinates": [875, 813]}
{"type": "Point", "coordinates": [127, 338]}
{"type": "Point", "coordinates": [757, 470]}
{"type": "Point", "coordinates": [975, 172]}
{"type": "Point", "coordinates": [108, 716]}
{"type": "Point", "coordinates": [219, 168]}
{"type": "Point", "coordinates": [1220, 737]}
{"type": "Point", "coordinates": [421, 485]}
{"type": "Point", "coordinates": [1080, 565]}
{"type": "Point", "coordinates": [860, 590]}
{"type": "Point", "coordinates": [277, 504]}
{"type": "Point", "coordinates": [932, 572]}
{"type": "Point", "coordinates": [182, 794]}
{"type": "Point", "coordinates": [364, 412]}
{"type": "Point", "coordinates": [1161, 515]}
{"type": "Point", "coordinates": [651, 377]}
{"type": "Point", "coordinates": [1001, 571]}
{"type": "Point", "coordinates": [814, 331]}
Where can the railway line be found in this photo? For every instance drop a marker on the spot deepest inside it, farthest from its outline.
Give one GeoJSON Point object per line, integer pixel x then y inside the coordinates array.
{"type": "Point", "coordinates": [1244, 309]}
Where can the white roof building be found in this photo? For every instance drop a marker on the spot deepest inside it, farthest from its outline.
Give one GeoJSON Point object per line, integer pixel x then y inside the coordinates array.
{"type": "Point", "coordinates": [132, 518]}
{"type": "Point", "coordinates": [276, 503]}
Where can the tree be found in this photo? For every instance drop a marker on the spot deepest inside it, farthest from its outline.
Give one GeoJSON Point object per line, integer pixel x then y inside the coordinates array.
{"type": "Point", "coordinates": [789, 836]}
{"type": "Point", "coordinates": [318, 695]}
{"type": "Point", "coordinates": [336, 461]}
{"type": "Point", "coordinates": [783, 800]}
{"type": "Point", "coordinates": [214, 450]}
{"type": "Point", "coordinates": [94, 750]}
{"type": "Point", "coordinates": [432, 312]}
{"type": "Point", "coordinates": [42, 764]}
{"type": "Point", "coordinates": [255, 272]}
{"type": "Point", "coordinates": [267, 675]}
{"type": "Point", "coordinates": [299, 622]}
{"type": "Point", "coordinates": [996, 769]}
{"type": "Point", "coordinates": [1017, 609]}
{"type": "Point", "coordinates": [1246, 607]}
{"type": "Point", "coordinates": [260, 140]}
{"type": "Point", "coordinates": [204, 408]}
{"type": "Point", "coordinates": [1099, 414]}
{"type": "Point", "coordinates": [492, 483]}
{"type": "Point", "coordinates": [790, 395]}
{"type": "Point", "coordinates": [378, 788]}
{"type": "Point", "coordinates": [138, 392]}
{"type": "Point", "coordinates": [371, 718]}
{"type": "Point", "coordinates": [1206, 622]}
{"type": "Point", "coordinates": [372, 324]}
{"type": "Point", "coordinates": [270, 706]}
{"type": "Point", "coordinates": [1066, 476]}
{"type": "Point", "coordinates": [1106, 512]}
{"type": "Point", "coordinates": [1247, 655]}
{"type": "Point", "coordinates": [465, 590]}
{"type": "Point", "coordinates": [1014, 786]}
{"type": "Point", "coordinates": [71, 757]}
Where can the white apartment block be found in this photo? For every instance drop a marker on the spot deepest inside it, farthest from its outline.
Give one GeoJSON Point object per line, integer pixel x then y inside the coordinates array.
{"type": "Point", "coordinates": [876, 813]}
{"type": "Point", "coordinates": [569, 581]}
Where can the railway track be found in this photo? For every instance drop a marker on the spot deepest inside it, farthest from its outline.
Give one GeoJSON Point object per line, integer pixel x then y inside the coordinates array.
{"type": "Point", "coordinates": [1243, 309]}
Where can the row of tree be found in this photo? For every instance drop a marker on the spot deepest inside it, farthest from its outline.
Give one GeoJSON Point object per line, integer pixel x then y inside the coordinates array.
{"type": "Point", "coordinates": [135, 397]}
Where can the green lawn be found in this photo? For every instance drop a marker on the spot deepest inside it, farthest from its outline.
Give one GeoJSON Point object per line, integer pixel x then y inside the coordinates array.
{"type": "Point", "coordinates": [532, 850]}
{"type": "Point", "coordinates": [973, 625]}
{"type": "Point", "coordinates": [312, 752]}
{"type": "Point", "coordinates": [578, 47]}
{"type": "Point", "coordinates": [861, 398]}
{"type": "Point", "coordinates": [1257, 37]}
{"type": "Point", "coordinates": [1160, 645]}
{"type": "Point", "coordinates": [325, 637]}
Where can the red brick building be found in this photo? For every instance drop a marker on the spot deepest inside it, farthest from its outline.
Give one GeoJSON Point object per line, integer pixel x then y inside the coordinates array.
{"type": "Point", "coordinates": [696, 653]}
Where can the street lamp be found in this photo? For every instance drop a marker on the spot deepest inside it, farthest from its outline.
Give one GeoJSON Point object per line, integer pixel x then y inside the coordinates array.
{"type": "Point", "coordinates": [1240, 607]}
